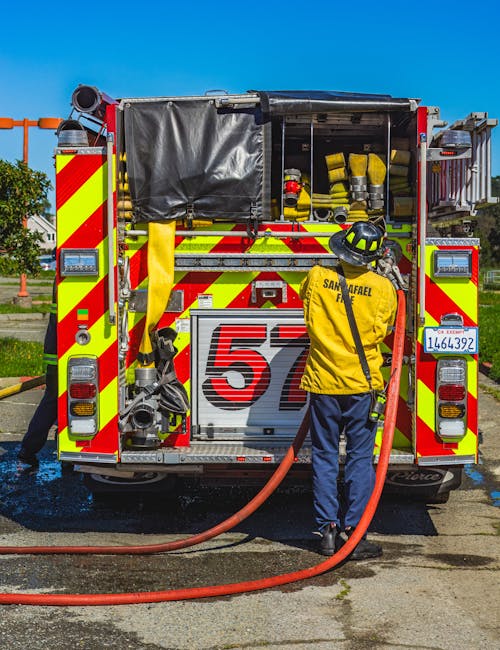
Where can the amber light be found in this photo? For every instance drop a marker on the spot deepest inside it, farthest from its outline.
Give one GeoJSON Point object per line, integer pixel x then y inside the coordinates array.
{"type": "Point", "coordinates": [82, 390]}
{"type": "Point", "coordinates": [83, 408]}
{"type": "Point", "coordinates": [451, 411]}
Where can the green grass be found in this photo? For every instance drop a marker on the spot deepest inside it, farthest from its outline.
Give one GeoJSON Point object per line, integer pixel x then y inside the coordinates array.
{"type": "Point", "coordinates": [9, 308]}
{"type": "Point", "coordinates": [489, 297]}
{"type": "Point", "coordinates": [20, 358]}
{"type": "Point", "coordinates": [489, 331]}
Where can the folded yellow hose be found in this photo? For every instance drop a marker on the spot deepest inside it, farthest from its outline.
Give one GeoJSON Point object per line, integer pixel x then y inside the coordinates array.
{"type": "Point", "coordinates": [398, 170]}
{"type": "Point", "coordinates": [161, 239]}
{"type": "Point", "coordinates": [398, 180]}
{"type": "Point", "coordinates": [360, 215]}
{"type": "Point", "coordinates": [296, 215]}
{"type": "Point", "coordinates": [304, 200]}
{"type": "Point", "coordinates": [336, 175]}
{"type": "Point", "coordinates": [335, 161]}
{"type": "Point", "coordinates": [321, 197]}
{"type": "Point", "coordinates": [399, 157]}
{"type": "Point", "coordinates": [358, 163]}
{"type": "Point", "coordinates": [404, 206]}
{"type": "Point", "coordinates": [377, 169]}
{"type": "Point", "coordinates": [340, 188]}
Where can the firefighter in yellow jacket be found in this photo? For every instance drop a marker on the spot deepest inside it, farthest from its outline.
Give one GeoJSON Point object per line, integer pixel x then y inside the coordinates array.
{"type": "Point", "coordinates": [340, 393]}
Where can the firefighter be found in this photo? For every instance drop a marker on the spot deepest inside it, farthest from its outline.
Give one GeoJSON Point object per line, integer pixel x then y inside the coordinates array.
{"type": "Point", "coordinates": [340, 392]}
{"type": "Point", "coordinates": [45, 415]}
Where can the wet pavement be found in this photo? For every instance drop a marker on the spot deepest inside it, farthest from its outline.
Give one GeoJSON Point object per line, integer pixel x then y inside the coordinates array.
{"type": "Point", "coordinates": [435, 587]}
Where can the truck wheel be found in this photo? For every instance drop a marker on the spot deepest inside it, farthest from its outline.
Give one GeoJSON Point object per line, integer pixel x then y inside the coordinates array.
{"type": "Point", "coordinates": [141, 482]}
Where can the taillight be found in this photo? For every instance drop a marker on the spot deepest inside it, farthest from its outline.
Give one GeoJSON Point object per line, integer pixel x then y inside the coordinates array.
{"type": "Point", "coordinates": [82, 396]}
{"type": "Point", "coordinates": [451, 392]}
{"type": "Point", "coordinates": [82, 390]}
{"type": "Point", "coordinates": [451, 398]}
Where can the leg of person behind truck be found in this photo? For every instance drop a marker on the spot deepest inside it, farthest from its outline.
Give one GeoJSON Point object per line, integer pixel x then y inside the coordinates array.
{"type": "Point", "coordinates": [43, 419]}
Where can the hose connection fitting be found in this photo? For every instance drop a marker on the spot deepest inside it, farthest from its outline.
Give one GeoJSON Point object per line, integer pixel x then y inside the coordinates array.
{"type": "Point", "coordinates": [358, 188]}
{"type": "Point", "coordinates": [376, 197]}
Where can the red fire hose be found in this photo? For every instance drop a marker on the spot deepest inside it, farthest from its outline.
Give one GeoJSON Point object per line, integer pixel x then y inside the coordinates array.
{"type": "Point", "coordinates": [274, 481]}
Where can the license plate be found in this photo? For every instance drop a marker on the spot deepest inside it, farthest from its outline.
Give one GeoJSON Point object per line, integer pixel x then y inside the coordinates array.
{"type": "Point", "coordinates": [450, 340]}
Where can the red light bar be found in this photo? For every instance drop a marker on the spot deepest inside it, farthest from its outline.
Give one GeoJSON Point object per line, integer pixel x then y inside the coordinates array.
{"type": "Point", "coordinates": [82, 390]}
{"type": "Point", "coordinates": [447, 152]}
{"type": "Point", "coordinates": [451, 392]}
{"type": "Point", "coordinates": [241, 459]}
{"type": "Point", "coordinates": [267, 459]}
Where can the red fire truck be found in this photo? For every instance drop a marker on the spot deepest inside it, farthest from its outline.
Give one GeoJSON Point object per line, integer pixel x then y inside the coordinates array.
{"type": "Point", "coordinates": [184, 228]}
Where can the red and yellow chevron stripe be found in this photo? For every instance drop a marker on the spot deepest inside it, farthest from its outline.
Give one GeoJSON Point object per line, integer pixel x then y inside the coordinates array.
{"type": "Point", "coordinates": [446, 296]}
{"type": "Point", "coordinates": [81, 197]}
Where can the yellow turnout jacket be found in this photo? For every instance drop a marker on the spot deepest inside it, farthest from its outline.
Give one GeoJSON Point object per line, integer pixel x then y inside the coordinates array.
{"type": "Point", "coordinates": [333, 365]}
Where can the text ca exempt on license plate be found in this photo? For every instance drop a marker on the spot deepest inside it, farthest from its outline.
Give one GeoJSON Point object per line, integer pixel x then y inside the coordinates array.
{"type": "Point", "coordinates": [451, 340]}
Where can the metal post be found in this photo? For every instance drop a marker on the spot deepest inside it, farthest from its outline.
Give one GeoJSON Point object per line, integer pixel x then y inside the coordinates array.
{"type": "Point", "coordinates": [422, 226]}
{"type": "Point", "coordinates": [23, 291]}
{"type": "Point", "coordinates": [282, 216]}
{"type": "Point", "coordinates": [311, 166]}
{"type": "Point", "coordinates": [110, 224]}
{"type": "Point", "coordinates": [388, 179]}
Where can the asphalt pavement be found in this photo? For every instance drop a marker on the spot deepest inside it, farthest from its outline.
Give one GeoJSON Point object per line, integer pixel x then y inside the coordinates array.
{"type": "Point", "coordinates": [436, 587]}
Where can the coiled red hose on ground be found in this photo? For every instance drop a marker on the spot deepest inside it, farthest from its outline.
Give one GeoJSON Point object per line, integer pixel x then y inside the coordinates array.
{"type": "Point", "coordinates": [239, 587]}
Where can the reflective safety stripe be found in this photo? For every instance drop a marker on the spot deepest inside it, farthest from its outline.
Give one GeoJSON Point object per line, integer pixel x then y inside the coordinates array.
{"type": "Point", "coordinates": [50, 359]}
{"type": "Point", "coordinates": [53, 308]}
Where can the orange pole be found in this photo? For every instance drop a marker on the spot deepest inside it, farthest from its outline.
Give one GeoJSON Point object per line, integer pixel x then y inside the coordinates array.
{"type": "Point", "coordinates": [23, 291]}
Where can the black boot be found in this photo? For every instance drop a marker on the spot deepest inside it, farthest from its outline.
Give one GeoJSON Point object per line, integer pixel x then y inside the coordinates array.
{"type": "Point", "coordinates": [365, 549]}
{"type": "Point", "coordinates": [28, 459]}
{"type": "Point", "coordinates": [328, 543]}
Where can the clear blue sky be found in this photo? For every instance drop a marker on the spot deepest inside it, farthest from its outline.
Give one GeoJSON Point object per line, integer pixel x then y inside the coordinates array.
{"type": "Point", "coordinates": [446, 53]}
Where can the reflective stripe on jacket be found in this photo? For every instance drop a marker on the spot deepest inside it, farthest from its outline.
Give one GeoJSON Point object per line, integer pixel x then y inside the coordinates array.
{"type": "Point", "coordinates": [333, 365]}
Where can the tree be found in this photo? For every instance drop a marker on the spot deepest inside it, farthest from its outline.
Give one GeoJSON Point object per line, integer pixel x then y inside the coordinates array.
{"type": "Point", "coordinates": [23, 192]}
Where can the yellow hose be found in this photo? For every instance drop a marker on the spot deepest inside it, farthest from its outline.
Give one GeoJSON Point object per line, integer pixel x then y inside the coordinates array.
{"type": "Point", "coordinates": [161, 240]}
{"type": "Point", "coordinates": [377, 169]}
{"type": "Point", "coordinates": [358, 163]}
{"type": "Point", "coordinates": [22, 386]}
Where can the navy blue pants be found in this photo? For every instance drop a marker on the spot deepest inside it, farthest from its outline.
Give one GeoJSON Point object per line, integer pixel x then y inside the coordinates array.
{"type": "Point", "coordinates": [44, 417]}
{"type": "Point", "coordinates": [330, 415]}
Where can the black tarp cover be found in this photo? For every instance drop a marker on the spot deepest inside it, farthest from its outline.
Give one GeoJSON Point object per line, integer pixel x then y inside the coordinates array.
{"type": "Point", "coordinates": [189, 157]}
{"type": "Point", "coordinates": [305, 102]}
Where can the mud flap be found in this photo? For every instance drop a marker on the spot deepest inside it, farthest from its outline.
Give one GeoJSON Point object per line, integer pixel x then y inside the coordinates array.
{"type": "Point", "coordinates": [427, 483]}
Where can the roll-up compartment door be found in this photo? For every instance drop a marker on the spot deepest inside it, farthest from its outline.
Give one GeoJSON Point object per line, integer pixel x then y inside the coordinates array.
{"type": "Point", "coordinates": [246, 371]}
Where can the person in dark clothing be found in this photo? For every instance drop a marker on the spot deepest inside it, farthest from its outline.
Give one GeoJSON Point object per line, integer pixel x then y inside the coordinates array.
{"type": "Point", "coordinates": [45, 415]}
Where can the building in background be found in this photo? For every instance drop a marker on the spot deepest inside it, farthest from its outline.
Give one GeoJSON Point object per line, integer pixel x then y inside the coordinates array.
{"type": "Point", "coordinates": [37, 223]}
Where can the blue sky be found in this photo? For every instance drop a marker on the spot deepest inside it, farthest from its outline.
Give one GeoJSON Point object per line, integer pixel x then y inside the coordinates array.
{"type": "Point", "coordinates": [445, 53]}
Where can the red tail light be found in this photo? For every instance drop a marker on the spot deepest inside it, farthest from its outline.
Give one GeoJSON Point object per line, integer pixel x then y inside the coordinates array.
{"type": "Point", "coordinates": [82, 390]}
{"type": "Point", "coordinates": [451, 392]}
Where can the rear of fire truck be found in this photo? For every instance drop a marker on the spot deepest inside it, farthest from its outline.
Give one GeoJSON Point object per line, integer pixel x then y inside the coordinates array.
{"type": "Point", "coordinates": [184, 228]}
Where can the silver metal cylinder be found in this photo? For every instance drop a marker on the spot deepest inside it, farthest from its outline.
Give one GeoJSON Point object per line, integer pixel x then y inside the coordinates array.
{"type": "Point", "coordinates": [144, 377]}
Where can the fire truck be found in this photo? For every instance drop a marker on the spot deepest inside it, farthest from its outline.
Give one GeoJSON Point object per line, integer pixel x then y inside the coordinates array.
{"type": "Point", "coordinates": [185, 226]}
